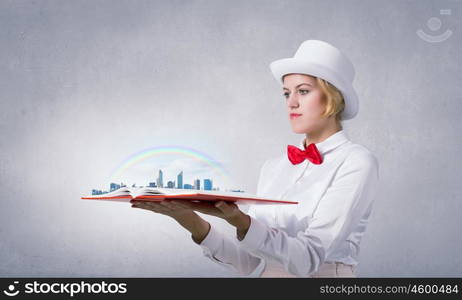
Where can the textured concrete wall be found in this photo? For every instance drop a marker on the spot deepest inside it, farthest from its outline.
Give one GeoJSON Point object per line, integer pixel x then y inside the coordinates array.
{"type": "Point", "coordinates": [83, 84]}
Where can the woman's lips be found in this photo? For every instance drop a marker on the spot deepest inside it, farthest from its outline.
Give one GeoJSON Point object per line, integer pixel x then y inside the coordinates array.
{"type": "Point", "coordinates": [293, 116]}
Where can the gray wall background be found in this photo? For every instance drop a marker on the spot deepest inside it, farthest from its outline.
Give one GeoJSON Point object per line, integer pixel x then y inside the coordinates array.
{"type": "Point", "coordinates": [79, 77]}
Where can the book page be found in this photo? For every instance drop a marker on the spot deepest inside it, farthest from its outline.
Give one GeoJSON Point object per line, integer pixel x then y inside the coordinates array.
{"type": "Point", "coordinates": [168, 191]}
{"type": "Point", "coordinates": [148, 191]}
{"type": "Point", "coordinates": [137, 191]}
{"type": "Point", "coordinates": [234, 194]}
{"type": "Point", "coordinates": [123, 191]}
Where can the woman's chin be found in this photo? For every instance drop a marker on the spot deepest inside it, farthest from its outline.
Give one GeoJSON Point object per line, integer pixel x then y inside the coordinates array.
{"type": "Point", "coordinates": [298, 129]}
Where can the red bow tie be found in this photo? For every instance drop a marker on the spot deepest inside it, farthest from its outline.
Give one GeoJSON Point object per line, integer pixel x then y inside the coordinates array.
{"type": "Point", "coordinates": [296, 155]}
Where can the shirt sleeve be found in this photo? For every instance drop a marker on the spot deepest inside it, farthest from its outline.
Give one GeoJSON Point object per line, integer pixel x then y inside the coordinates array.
{"type": "Point", "coordinates": [227, 252]}
{"type": "Point", "coordinates": [339, 210]}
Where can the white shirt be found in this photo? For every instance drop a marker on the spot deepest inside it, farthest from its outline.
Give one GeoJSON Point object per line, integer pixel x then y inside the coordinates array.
{"type": "Point", "coordinates": [335, 201]}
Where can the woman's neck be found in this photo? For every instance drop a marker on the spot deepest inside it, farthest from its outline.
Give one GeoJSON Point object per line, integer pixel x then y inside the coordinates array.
{"type": "Point", "coordinates": [317, 137]}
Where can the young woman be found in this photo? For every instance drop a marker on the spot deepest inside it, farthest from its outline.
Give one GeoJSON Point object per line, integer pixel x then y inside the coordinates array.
{"type": "Point", "coordinates": [333, 179]}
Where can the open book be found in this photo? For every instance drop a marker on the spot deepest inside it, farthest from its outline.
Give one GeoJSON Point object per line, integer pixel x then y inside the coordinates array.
{"type": "Point", "coordinates": [125, 194]}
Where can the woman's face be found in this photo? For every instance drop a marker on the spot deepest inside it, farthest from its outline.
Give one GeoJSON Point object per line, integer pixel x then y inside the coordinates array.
{"type": "Point", "coordinates": [304, 97]}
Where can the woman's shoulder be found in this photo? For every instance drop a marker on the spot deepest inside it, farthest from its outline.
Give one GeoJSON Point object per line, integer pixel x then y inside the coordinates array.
{"type": "Point", "coordinates": [357, 153]}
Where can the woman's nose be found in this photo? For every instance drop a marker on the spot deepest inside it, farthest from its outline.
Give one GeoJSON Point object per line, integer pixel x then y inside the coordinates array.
{"type": "Point", "coordinates": [292, 100]}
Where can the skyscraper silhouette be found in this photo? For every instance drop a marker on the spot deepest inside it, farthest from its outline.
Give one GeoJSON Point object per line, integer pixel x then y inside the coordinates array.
{"type": "Point", "coordinates": [207, 184]}
{"type": "Point", "coordinates": [160, 179]}
{"type": "Point", "coordinates": [180, 180]}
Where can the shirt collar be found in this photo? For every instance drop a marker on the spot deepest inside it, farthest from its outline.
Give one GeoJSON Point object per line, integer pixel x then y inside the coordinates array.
{"type": "Point", "coordinates": [330, 143]}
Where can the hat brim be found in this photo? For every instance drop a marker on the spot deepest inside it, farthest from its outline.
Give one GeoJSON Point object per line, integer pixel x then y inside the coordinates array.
{"type": "Point", "coordinates": [285, 66]}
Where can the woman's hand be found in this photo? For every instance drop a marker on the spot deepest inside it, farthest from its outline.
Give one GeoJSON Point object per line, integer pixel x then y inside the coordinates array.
{"type": "Point", "coordinates": [185, 216]}
{"type": "Point", "coordinates": [165, 207]}
{"type": "Point", "coordinates": [227, 211]}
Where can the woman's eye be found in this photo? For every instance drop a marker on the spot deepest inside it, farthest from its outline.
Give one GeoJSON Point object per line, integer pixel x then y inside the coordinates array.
{"type": "Point", "coordinates": [303, 92]}
{"type": "Point", "coordinates": [286, 95]}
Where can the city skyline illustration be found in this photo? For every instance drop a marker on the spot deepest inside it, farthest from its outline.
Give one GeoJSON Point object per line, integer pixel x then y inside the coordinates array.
{"type": "Point", "coordinates": [161, 182]}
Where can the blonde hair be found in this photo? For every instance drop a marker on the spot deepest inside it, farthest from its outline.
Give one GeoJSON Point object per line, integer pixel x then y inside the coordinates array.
{"type": "Point", "coordinates": [333, 100]}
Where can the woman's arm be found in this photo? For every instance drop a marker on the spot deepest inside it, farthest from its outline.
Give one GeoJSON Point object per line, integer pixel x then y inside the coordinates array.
{"type": "Point", "coordinates": [187, 218]}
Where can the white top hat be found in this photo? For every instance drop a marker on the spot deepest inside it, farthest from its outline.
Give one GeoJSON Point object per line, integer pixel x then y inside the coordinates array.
{"type": "Point", "coordinates": [321, 59]}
